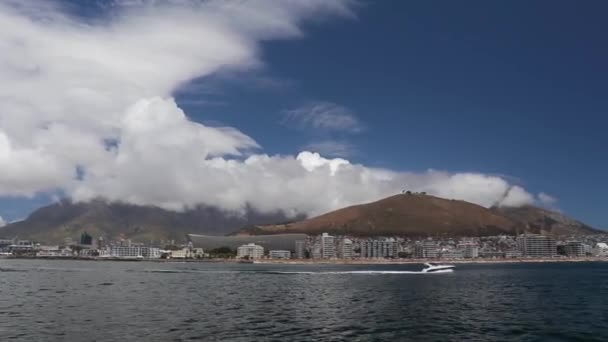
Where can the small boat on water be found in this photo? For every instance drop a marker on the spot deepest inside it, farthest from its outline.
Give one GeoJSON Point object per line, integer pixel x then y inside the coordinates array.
{"type": "Point", "coordinates": [245, 261]}
{"type": "Point", "coordinates": [431, 267]}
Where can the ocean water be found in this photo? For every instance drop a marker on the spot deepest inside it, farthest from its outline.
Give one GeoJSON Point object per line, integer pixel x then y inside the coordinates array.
{"type": "Point", "coordinates": [130, 301]}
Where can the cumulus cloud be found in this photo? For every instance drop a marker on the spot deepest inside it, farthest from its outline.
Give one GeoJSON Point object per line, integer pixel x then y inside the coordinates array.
{"type": "Point", "coordinates": [324, 116]}
{"type": "Point", "coordinates": [332, 148]}
{"type": "Point", "coordinates": [86, 109]}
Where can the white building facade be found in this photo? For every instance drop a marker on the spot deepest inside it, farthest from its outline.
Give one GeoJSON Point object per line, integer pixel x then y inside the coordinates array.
{"type": "Point", "coordinates": [328, 249]}
{"type": "Point", "coordinates": [250, 250]}
{"type": "Point", "coordinates": [278, 254]}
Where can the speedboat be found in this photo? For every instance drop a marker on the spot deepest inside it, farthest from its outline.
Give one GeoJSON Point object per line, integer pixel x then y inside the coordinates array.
{"type": "Point", "coordinates": [437, 268]}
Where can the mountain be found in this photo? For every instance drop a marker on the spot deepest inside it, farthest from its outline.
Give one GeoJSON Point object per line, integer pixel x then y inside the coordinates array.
{"type": "Point", "coordinates": [539, 220]}
{"type": "Point", "coordinates": [53, 223]}
{"type": "Point", "coordinates": [424, 215]}
{"type": "Point", "coordinates": [405, 215]}
{"type": "Point", "coordinates": [400, 215]}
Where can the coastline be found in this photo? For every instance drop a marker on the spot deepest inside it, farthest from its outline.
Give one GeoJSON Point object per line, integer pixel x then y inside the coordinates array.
{"type": "Point", "coordinates": [330, 262]}
{"type": "Point", "coordinates": [422, 261]}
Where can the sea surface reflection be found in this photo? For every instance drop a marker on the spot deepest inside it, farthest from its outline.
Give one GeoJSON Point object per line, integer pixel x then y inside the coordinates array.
{"type": "Point", "coordinates": [108, 301]}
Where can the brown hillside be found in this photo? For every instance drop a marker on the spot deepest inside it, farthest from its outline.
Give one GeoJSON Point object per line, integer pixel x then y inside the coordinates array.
{"type": "Point", "coordinates": [539, 220]}
{"type": "Point", "coordinates": [402, 215]}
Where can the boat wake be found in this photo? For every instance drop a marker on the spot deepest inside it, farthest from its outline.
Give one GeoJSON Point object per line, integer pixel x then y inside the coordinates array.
{"type": "Point", "coordinates": [362, 272]}
{"type": "Point", "coordinates": [359, 272]}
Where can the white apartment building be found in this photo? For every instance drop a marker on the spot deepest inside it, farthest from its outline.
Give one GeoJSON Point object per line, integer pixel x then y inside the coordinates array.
{"type": "Point", "coordinates": [328, 250]}
{"type": "Point", "coordinates": [53, 251]}
{"type": "Point", "coordinates": [250, 250]}
{"type": "Point", "coordinates": [345, 250]}
{"type": "Point", "coordinates": [131, 252]}
{"type": "Point", "coordinates": [278, 254]}
{"type": "Point", "coordinates": [300, 249]}
{"type": "Point", "coordinates": [534, 245]}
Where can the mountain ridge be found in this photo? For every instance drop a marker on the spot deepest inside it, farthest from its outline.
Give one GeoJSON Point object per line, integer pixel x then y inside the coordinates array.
{"type": "Point", "coordinates": [399, 215]}
{"type": "Point", "coordinates": [98, 217]}
{"type": "Point", "coordinates": [426, 215]}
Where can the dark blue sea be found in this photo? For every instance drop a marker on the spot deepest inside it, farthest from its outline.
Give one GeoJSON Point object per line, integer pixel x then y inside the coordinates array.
{"type": "Point", "coordinates": [145, 301]}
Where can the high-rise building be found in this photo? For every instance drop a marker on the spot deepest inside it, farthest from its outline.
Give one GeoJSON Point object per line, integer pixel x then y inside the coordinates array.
{"type": "Point", "coordinates": [86, 239]}
{"type": "Point", "coordinates": [328, 250]}
{"type": "Point", "coordinates": [427, 249]}
{"type": "Point", "coordinates": [316, 250]}
{"type": "Point", "coordinates": [379, 248]}
{"type": "Point", "coordinates": [471, 251]}
{"type": "Point", "coordinates": [251, 251]}
{"type": "Point", "coordinates": [300, 249]}
{"type": "Point", "coordinates": [534, 245]}
{"type": "Point", "coordinates": [575, 249]}
{"type": "Point", "coordinates": [345, 250]}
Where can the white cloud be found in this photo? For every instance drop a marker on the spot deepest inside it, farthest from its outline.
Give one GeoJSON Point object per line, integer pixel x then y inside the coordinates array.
{"type": "Point", "coordinates": [546, 200]}
{"type": "Point", "coordinates": [2, 222]}
{"type": "Point", "coordinates": [332, 148]}
{"type": "Point", "coordinates": [515, 197]}
{"type": "Point", "coordinates": [69, 87]}
{"type": "Point", "coordinates": [323, 116]}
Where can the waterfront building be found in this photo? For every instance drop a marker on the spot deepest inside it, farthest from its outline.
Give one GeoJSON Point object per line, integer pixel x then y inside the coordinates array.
{"type": "Point", "coordinates": [536, 246]}
{"type": "Point", "coordinates": [300, 249]}
{"type": "Point", "coordinates": [588, 249]}
{"type": "Point", "coordinates": [430, 249]}
{"type": "Point", "coordinates": [130, 252]}
{"type": "Point", "coordinates": [125, 252]}
{"type": "Point", "coordinates": [53, 252]}
{"type": "Point", "coordinates": [250, 250]}
{"type": "Point", "coordinates": [271, 242]}
{"type": "Point", "coordinates": [316, 250]}
{"type": "Point", "coordinates": [4, 244]}
{"type": "Point", "coordinates": [511, 254]}
{"type": "Point", "coordinates": [574, 249]}
{"type": "Point", "coordinates": [101, 243]}
{"type": "Point", "coordinates": [183, 253]}
{"type": "Point", "coordinates": [491, 254]}
{"type": "Point", "coordinates": [328, 250]}
{"type": "Point", "coordinates": [471, 251]}
{"type": "Point", "coordinates": [452, 254]}
{"type": "Point", "coordinates": [22, 247]}
{"type": "Point", "coordinates": [150, 252]}
{"type": "Point", "coordinates": [86, 239]}
{"type": "Point", "coordinates": [278, 254]}
{"type": "Point", "coordinates": [345, 249]}
{"type": "Point", "coordinates": [601, 249]}
{"type": "Point", "coordinates": [426, 250]}
{"type": "Point", "coordinates": [379, 248]}
{"type": "Point", "coordinates": [198, 253]}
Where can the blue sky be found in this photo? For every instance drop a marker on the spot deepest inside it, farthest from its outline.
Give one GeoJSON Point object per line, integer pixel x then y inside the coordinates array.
{"type": "Point", "coordinates": [512, 88]}
{"type": "Point", "coordinates": [515, 89]}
